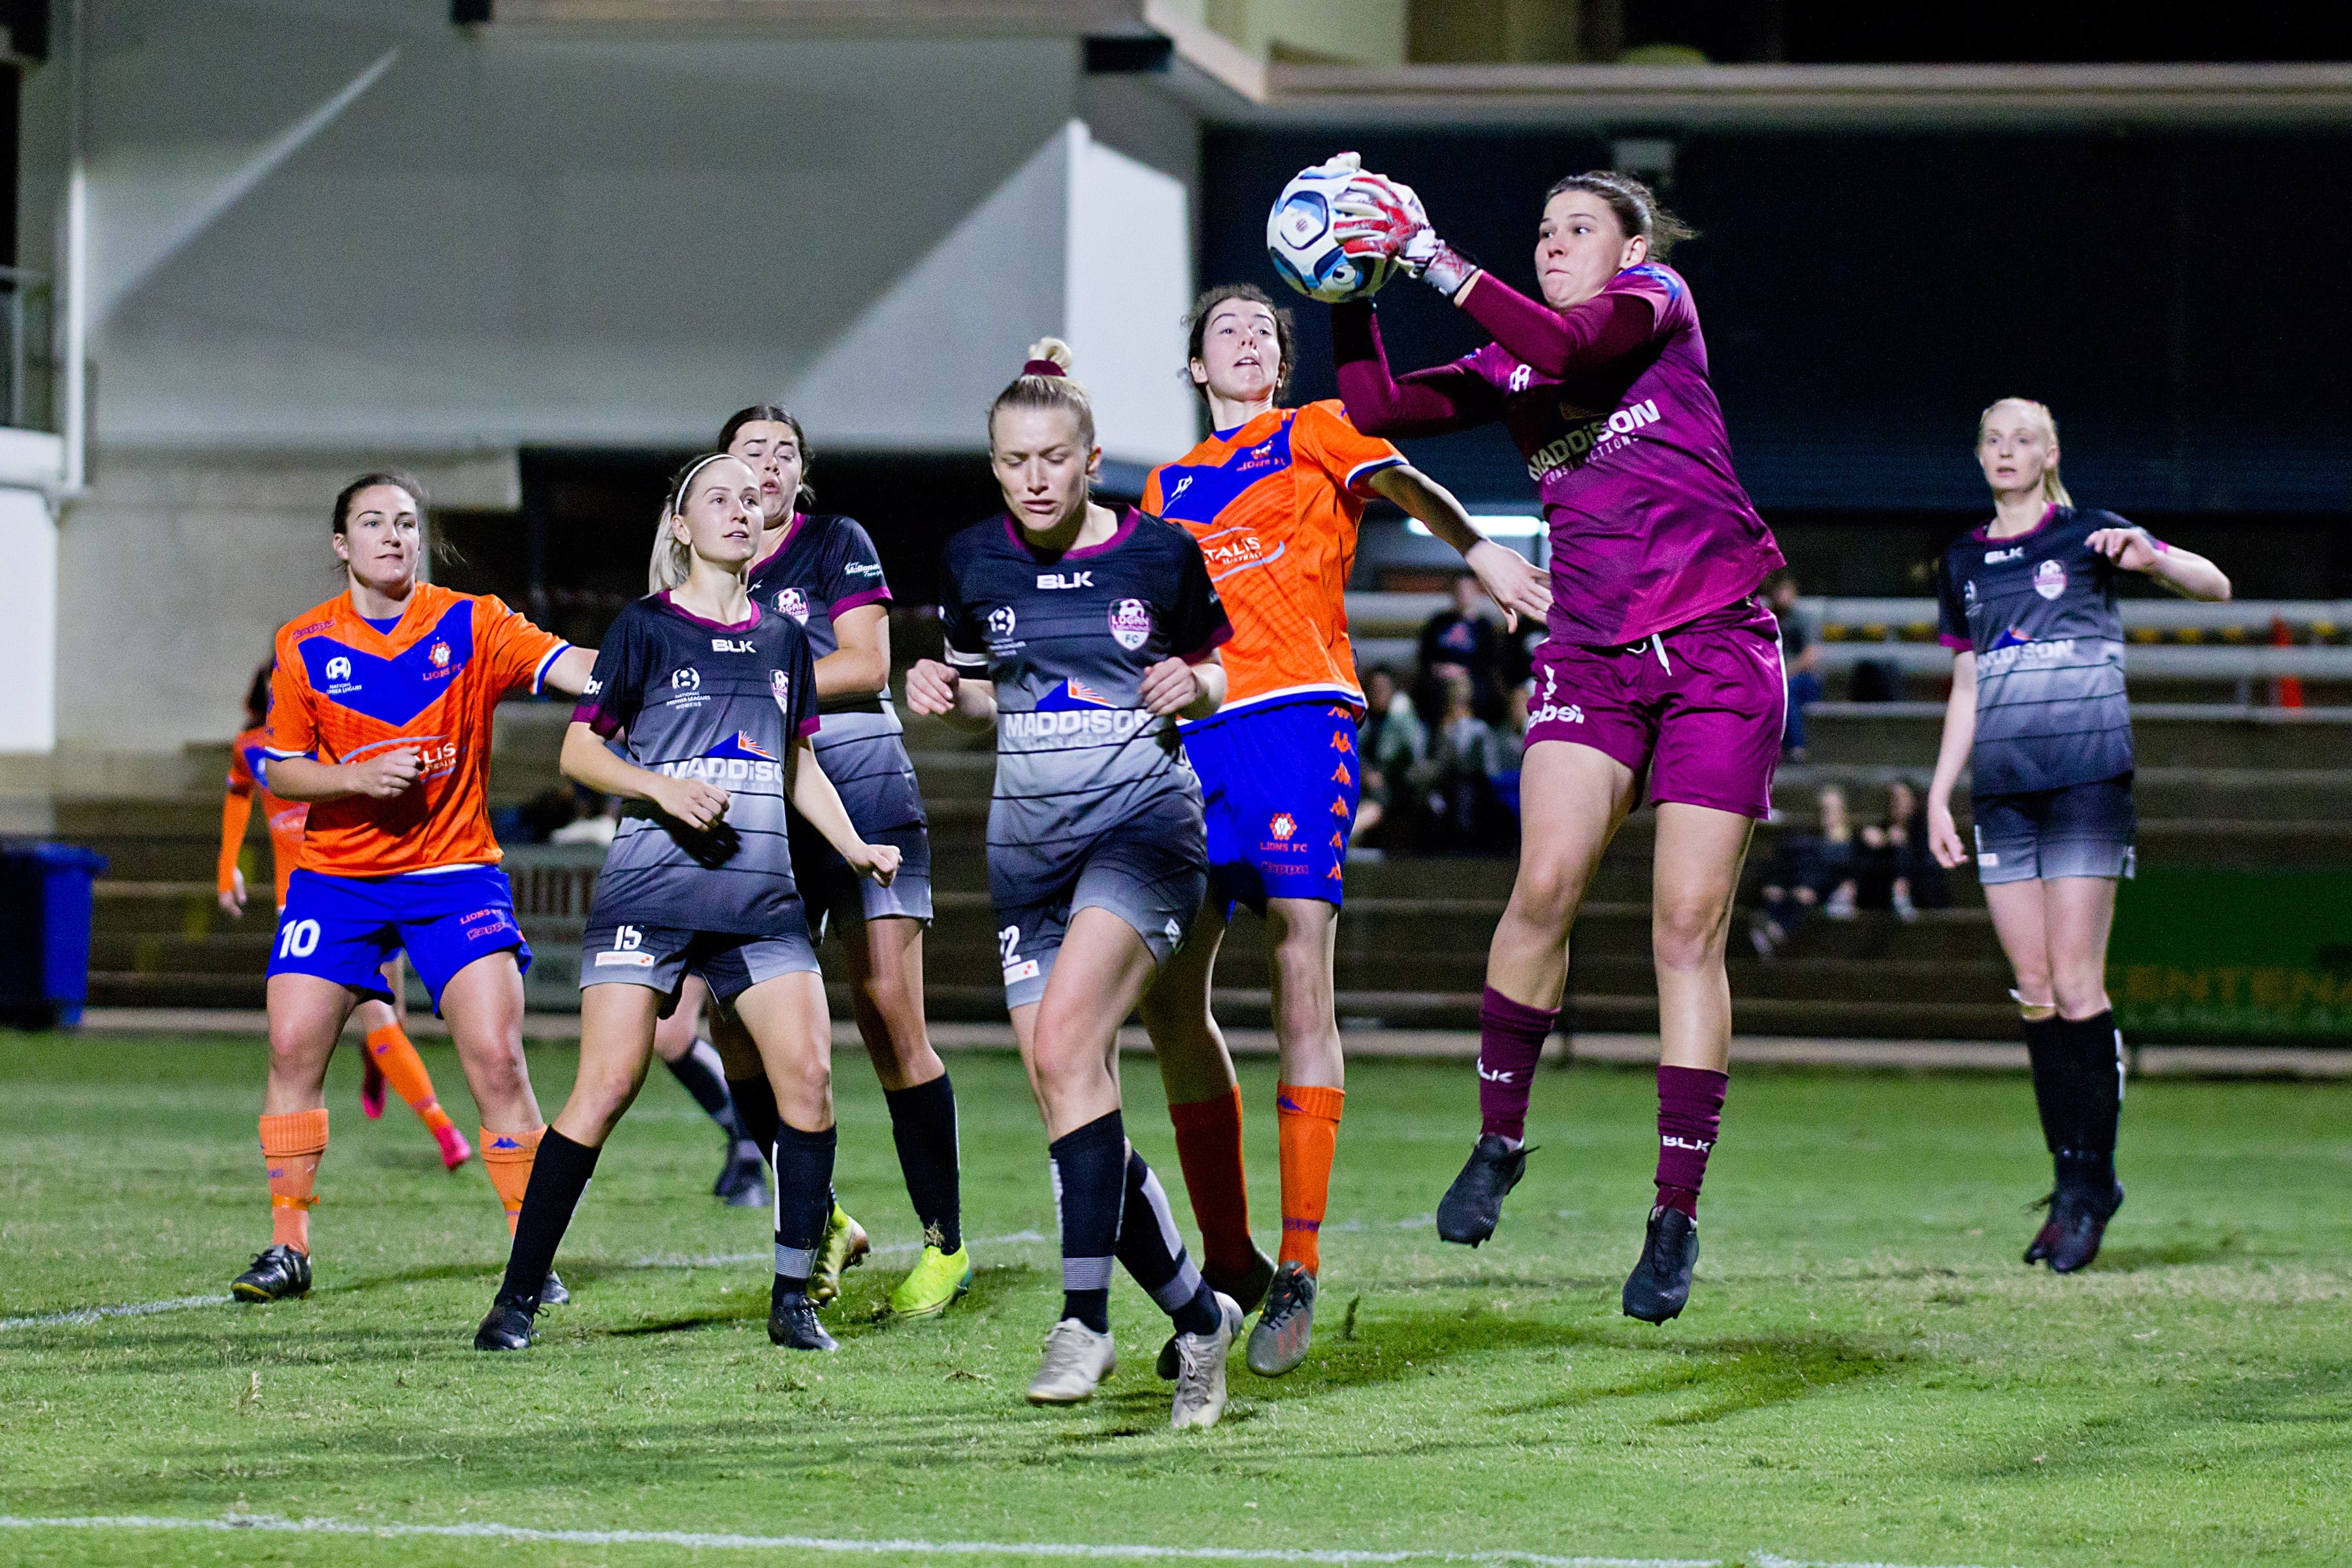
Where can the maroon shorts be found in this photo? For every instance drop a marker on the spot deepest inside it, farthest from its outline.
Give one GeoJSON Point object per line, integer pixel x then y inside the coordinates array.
{"type": "Point", "coordinates": [1695, 711]}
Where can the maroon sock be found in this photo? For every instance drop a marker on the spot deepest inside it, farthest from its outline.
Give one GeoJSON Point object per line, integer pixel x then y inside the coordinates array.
{"type": "Point", "coordinates": [1511, 1041]}
{"type": "Point", "coordinates": [1690, 1113]}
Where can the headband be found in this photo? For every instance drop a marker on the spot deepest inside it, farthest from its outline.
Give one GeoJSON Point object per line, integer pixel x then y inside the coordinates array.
{"type": "Point", "coordinates": [1043, 367]}
{"type": "Point", "coordinates": [678, 497]}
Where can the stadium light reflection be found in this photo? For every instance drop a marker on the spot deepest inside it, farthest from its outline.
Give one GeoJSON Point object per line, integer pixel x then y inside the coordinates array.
{"type": "Point", "coordinates": [1493, 525]}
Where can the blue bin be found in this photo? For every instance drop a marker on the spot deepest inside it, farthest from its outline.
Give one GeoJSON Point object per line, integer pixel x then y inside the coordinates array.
{"type": "Point", "coordinates": [45, 918]}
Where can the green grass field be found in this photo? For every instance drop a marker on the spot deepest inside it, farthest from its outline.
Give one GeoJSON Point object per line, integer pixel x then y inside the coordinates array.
{"type": "Point", "coordinates": [1866, 1372]}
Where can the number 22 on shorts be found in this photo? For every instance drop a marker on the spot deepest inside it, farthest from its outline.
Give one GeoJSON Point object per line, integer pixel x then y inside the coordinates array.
{"type": "Point", "coordinates": [1016, 968]}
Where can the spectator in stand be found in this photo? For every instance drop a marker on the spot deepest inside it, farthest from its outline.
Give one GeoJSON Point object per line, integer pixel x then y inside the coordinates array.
{"type": "Point", "coordinates": [1893, 868]}
{"type": "Point", "coordinates": [1460, 637]}
{"type": "Point", "coordinates": [1809, 871]}
{"type": "Point", "coordinates": [1389, 744]}
{"type": "Point", "coordinates": [1467, 757]}
{"type": "Point", "coordinates": [1801, 658]}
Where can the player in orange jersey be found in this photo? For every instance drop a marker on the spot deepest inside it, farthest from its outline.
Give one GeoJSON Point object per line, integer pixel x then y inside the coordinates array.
{"type": "Point", "coordinates": [1273, 497]}
{"type": "Point", "coordinates": [389, 1054]}
{"type": "Point", "coordinates": [380, 719]}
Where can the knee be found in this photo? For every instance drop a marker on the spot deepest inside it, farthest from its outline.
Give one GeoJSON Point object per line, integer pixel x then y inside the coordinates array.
{"type": "Point", "coordinates": [1546, 894]}
{"type": "Point", "coordinates": [1687, 935]}
{"type": "Point", "coordinates": [2080, 995]}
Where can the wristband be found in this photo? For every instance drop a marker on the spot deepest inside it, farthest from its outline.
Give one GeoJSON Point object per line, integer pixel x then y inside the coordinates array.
{"type": "Point", "coordinates": [1436, 263]}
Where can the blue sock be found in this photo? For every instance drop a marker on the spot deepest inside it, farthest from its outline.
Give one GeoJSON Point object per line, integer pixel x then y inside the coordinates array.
{"type": "Point", "coordinates": [1089, 1189]}
{"type": "Point", "coordinates": [1154, 1253]}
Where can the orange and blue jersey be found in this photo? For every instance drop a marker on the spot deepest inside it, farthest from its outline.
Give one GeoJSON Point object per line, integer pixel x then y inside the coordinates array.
{"type": "Point", "coordinates": [345, 691]}
{"type": "Point", "coordinates": [1276, 505]}
{"type": "Point", "coordinates": [249, 786]}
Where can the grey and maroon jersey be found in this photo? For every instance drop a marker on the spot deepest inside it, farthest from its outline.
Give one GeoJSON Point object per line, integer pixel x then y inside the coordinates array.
{"type": "Point", "coordinates": [693, 699]}
{"type": "Point", "coordinates": [825, 567]}
{"type": "Point", "coordinates": [1067, 639]}
{"type": "Point", "coordinates": [2039, 611]}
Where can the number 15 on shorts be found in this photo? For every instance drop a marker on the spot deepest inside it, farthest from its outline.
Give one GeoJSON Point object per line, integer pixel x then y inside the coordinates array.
{"type": "Point", "coordinates": [628, 949]}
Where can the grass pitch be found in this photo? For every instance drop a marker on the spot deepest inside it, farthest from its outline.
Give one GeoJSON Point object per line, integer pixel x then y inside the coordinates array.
{"type": "Point", "coordinates": [1866, 1372]}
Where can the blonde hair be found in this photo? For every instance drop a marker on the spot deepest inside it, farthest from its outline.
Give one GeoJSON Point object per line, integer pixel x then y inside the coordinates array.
{"type": "Point", "coordinates": [673, 559]}
{"type": "Point", "coordinates": [1045, 383]}
{"type": "Point", "coordinates": [2054, 489]}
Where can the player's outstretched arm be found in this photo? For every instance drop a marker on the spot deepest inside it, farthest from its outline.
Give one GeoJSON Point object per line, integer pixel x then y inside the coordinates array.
{"type": "Point", "coordinates": [1944, 840]}
{"type": "Point", "coordinates": [1187, 690]}
{"type": "Point", "coordinates": [570, 672]}
{"type": "Point", "coordinates": [587, 759]}
{"type": "Point", "coordinates": [1510, 579]}
{"type": "Point", "coordinates": [814, 798]}
{"type": "Point", "coordinates": [2184, 572]}
{"type": "Point", "coordinates": [936, 691]}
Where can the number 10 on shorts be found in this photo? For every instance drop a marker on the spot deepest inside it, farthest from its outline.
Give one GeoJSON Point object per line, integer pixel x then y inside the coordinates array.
{"type": "Point", "coordinates": [298, 939]}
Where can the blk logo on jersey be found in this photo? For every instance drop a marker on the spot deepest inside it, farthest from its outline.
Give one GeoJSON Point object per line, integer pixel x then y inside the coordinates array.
{"type": "Point", "coordinates": [793, 602]}
{"type": "Point", "coordinates": [1130, 624]}
{"type": "Point", "coordinates": [1995, 557]}
{"type": "Point", "coordinates": [2050, 579]}
{"type": "Point", "coordinates": [730, 644]}
{"type": "Point", "coordinates": [1066, 579]}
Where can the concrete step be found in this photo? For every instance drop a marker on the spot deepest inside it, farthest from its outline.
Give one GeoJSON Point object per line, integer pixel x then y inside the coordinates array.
{"type": "Point", "coordinates": [1845, 734]}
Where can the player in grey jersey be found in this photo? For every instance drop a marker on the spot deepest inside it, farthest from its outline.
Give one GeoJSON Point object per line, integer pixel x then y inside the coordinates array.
{"type": "Point", "coordinates": [2039, 717]}
{"type": "Point", "coordinates": [715, 701]}
{"type": "Point", "coordinates": [823, 572]}
{"type": "Point", "coordinates": [1083, 635]}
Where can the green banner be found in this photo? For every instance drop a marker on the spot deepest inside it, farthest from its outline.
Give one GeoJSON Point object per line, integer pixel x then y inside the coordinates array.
{"type": "Point", "coordinates": [2234, 955]}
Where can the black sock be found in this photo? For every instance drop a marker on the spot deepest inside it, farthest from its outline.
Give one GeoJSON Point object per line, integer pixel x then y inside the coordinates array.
{"type": "Point", "coordinates": [2094, 1056]}
{"type": "Point", "coordinates": [1154, 1253]}
{"type": "Point", "coordinates": [803, 1202]}
{"type": "Point", "coordinates": [1089, 1189]}
{"type": "Point", "coordinates": [2055, 1094]}
{"type": "Point", "coordinates": [923, 1125]}
{"type": "Point", "coordinates": [755, 1110]}
{"type": "Point", "coordinates": [703, 1076]}
{"type": "Point", "coordinates": [558, 1175]}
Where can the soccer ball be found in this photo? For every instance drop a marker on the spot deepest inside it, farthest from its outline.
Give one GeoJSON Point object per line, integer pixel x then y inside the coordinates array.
{"type": "Point", "coordinates": [1299, 241]}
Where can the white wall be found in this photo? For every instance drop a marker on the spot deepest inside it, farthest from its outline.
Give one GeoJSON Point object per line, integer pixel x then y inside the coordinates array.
{"type": "Point", "coordinates": [325, 233]}
{"type": "Point", "coordinates": [28, 622]}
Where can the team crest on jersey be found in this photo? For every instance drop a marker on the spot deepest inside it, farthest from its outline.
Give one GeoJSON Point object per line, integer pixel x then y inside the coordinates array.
{"type": "Point", "coordinates": [440, 655]}
{"type": "Point", "coordinates": [1284, 825]}
{"type": "Point", "coordinates": [781, 685]}
{"type": "Point", "coordinates": [1000, 621]}
{"type": "Point", "coordinates": [1130, 624]}
{"type": "Point", "coordinates": [1969, 593]}
{"type": "Point", "coordinates": [2050, 579]}
{"type": "Point", "coordinates": [793, 602]}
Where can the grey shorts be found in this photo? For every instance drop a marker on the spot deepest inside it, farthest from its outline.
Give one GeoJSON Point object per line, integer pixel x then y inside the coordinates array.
{"type": "Point", "coordinates": [2079, 830]}
{"type": "Point", "coordinates": [1151, 872]}
{"type": "Point", "coordinates": [659, 958]}
{"type": "Point", "coordinates": [836, 895]}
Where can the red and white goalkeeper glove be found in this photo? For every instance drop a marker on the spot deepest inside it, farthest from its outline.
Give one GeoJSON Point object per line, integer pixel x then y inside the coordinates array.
{"type": "Point", "coordinates": [1381, 217]}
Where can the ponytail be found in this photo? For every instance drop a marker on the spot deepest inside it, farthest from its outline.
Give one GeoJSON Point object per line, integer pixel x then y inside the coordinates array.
{"type": "Point", "coordinates": [1045, 382]}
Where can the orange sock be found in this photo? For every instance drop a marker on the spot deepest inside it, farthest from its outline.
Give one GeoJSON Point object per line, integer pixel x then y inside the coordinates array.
{"type": "Point", "coordinates": [1307, 1120]}
{"type": "Point", "coordinates": [291, 1143]}
{"type": "Point", "coordinates": [1209, 1147]}
{"type": "Point", "coordinates": [396, 1056]}
{"type": "Point", "coordinates": [507, 1157]}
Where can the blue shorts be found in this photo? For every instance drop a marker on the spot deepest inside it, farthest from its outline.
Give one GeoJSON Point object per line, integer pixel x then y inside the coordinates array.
{"type": "Point", "coordinates": [1278, 787]}
{"type": "Point", "coordinates": [344, 928]}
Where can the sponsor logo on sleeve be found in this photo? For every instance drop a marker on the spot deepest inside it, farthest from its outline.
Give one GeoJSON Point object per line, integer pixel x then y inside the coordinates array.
{"type": "Point", "coordinates": [1130, 624]}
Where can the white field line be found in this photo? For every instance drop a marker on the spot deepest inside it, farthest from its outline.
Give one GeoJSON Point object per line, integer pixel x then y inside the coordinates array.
{"type": "Point", "coordinates": [80, 1315]}
{"type": "Point", "coordinates": [728, 1542]}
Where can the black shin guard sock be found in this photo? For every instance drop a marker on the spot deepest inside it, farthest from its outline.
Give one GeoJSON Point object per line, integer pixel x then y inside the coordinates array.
{"type": "Point", "coordinates": [558, 1175]}
{"type": "Point", "coordinates": [701, 1075]}
{"type": "Point", "coordinates": [1152, 1251]}
{"type": "Point", "coordinates": [803, 1202]}
{"type": "Point", "coordinates": [755, 1109]}
{"type": "Point", "coordinates": [1089, 1192]}
{"type": "Point", "coordinates": [923, 1125]}
{"type": "Point", "coordinates": [2054, 1092]}
{"type": "Point", "coordinates": [2095, 1052]}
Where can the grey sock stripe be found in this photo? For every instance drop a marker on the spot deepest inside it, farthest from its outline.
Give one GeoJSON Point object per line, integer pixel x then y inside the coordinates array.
{"type": "Point", "coordinates": [1078, 1273]}
{"type": "Point", "coordinates": [795, 1262]}
{"type": "Point", "coordinates": [1178, 1293]}
{"type": "Point", "coordinates": [1157, 1197]}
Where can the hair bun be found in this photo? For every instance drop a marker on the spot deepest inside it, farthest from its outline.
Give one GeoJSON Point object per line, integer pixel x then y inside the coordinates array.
{"type": "Point", "coordinates": [1049, 356]}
